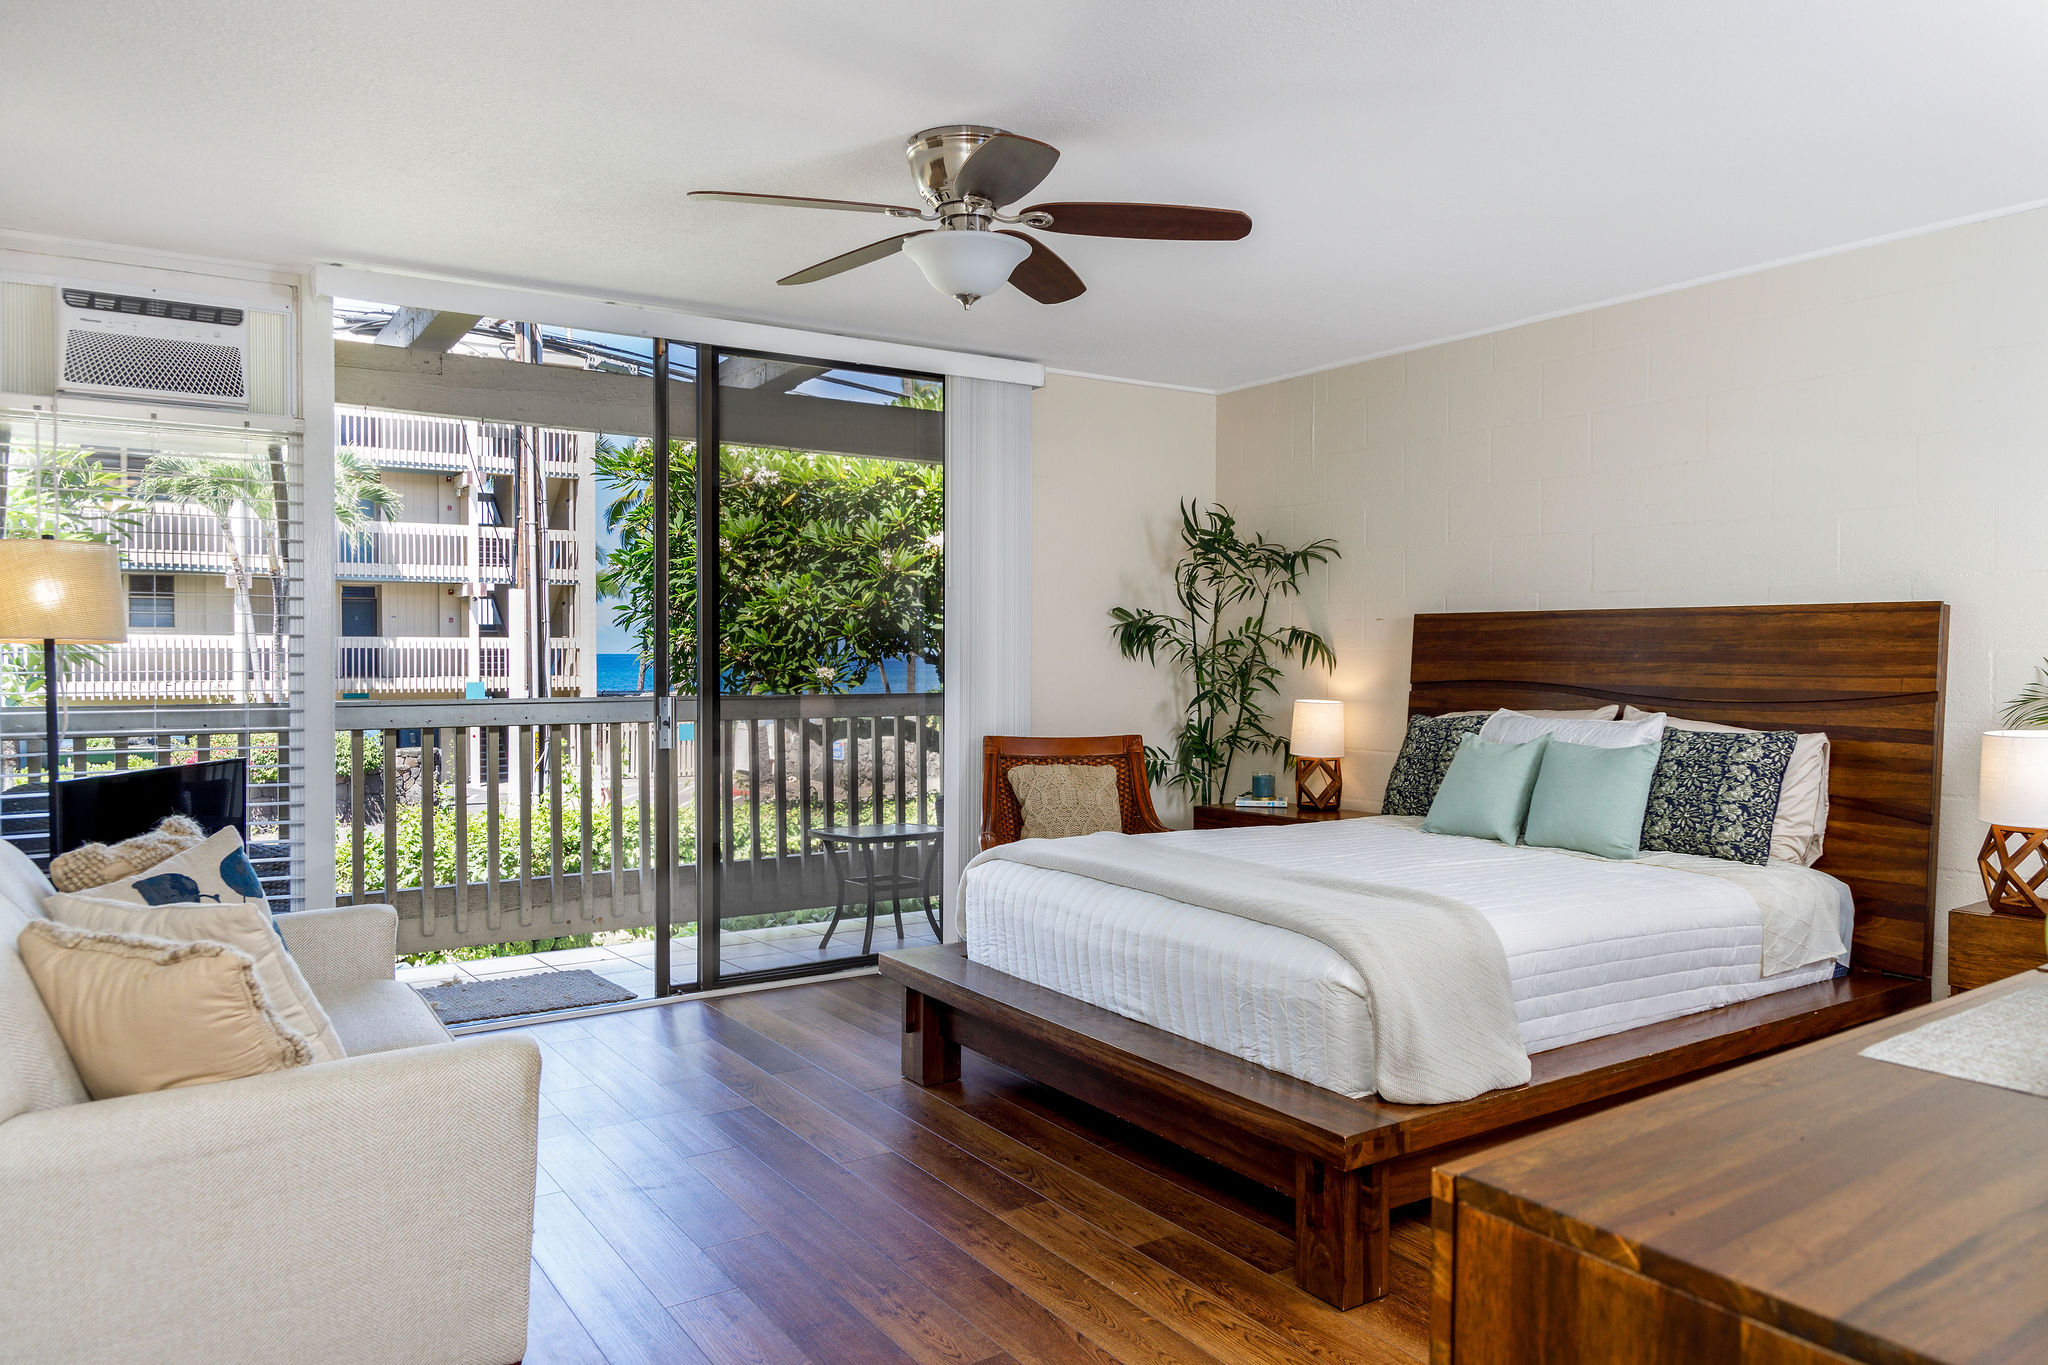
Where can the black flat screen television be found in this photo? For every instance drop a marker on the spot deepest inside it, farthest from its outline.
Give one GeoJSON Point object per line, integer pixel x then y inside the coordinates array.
{"type": "Point", "coordinates": [116, 806]}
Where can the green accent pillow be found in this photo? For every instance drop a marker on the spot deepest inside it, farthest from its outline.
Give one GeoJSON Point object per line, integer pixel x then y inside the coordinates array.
{"type": "Point", "coordinates": [1426, 755]}
{"type": "Point", "coordinates": [1592, 800]}
{"type": "Point", "coordinates": [1485, 794]}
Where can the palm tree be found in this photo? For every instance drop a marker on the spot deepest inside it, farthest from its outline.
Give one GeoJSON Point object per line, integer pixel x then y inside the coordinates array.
{"type": "Point", "coordinates": [221, 487]}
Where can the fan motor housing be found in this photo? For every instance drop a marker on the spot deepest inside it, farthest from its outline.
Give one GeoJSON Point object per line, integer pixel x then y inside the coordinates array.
{"type": "Point", "coordinates": [936, 155]}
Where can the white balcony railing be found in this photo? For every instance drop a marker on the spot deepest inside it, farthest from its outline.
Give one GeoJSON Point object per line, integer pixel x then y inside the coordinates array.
{"type": "Point", "coordinates": [406, 551]}
{"type": "Point", "coordinates": [406, 441]}
{"type": "Point", "coordinates": [174, 668]}
{"type": "Point", "coordinates": [562, 558]}
{"type": "Point", "coordinates": [384, 664]}
{"type": "Point", "coordinates": [495, 552]}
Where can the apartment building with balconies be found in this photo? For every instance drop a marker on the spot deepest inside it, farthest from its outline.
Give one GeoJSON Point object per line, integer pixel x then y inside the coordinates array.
{"type": "Point", "coordinates": [448, 596]}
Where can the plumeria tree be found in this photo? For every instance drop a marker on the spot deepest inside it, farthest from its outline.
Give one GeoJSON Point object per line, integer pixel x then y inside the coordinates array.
{"type": "Point", "coordinates": [831, 565]}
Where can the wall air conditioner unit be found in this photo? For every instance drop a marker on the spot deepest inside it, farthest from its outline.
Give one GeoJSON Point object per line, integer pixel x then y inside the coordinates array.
{"type": "Point", "coordinates": [143, 348]}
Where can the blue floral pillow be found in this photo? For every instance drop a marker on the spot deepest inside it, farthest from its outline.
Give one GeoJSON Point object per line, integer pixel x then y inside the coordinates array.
{"type": "Point", "coordinates": [1426, 756]}
{"type": "Point", "coordinates": [1715, 794]}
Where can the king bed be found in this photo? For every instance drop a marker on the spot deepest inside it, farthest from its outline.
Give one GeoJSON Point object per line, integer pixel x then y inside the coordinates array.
{"type": "Point", "coordinates": [1160, 984]}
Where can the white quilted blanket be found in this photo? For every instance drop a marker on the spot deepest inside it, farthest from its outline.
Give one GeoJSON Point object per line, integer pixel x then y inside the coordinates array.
{"type": "Point", "coordinates": [1436, 975]}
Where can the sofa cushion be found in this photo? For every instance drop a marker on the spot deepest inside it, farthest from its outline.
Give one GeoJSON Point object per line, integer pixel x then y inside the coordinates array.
{"type": "Point", "coordinates": [35, 1070]}
{"type": "Point", "coordinates": [1061, 800]}
{"type": "Point", "coordinates": [145, 1014]}
{"type": "Point", "coordinates": [245, 927]}
{"type": "Point", "coordinates": [382, 1016]}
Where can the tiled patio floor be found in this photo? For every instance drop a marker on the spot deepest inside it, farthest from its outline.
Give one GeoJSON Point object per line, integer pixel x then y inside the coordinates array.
{"type": "Point", "coordinates": [631, 965]}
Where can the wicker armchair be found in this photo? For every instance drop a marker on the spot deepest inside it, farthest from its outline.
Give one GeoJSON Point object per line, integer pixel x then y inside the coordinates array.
{"type": "Point", "coordinates": [1001, 819]}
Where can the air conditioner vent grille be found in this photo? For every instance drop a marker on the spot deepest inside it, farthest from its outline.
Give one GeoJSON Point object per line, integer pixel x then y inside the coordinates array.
{"type": "Point", "coordinates": [158, 364]}
{"type": "Point", "coordinates": [101, 302]}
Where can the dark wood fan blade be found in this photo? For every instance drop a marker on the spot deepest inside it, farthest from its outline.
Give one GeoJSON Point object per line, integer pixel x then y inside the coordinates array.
{"type": "Point", "coordinates": [1043, 275]}
{"type": "Point", "coordinates": [794, 201]}
{"type": "Point", "coordinates": [1005, 168]}
{"type": "Point", "coordinates": [859, 256]}
{"type": "Point", "coordinates": [1157, 222]}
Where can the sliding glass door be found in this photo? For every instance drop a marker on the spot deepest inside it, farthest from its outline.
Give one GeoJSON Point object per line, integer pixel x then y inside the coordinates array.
{"type": "Point", "coordinates": [822, 676]}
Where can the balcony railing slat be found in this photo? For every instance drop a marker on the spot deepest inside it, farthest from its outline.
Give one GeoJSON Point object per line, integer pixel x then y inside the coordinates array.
{"type": "Point", "coordinates": [526, 826]}
{"type": "Point", "coordinates": [494, 771]}
{"type": "Point", "coordinates": [355, 815]}
{"type": "Point", "coordinates": [589, 847]}
{"type": "Point", "coordinates": [429, 740]}
{"type": "Point", "coordinates": [461, 832]}
{"type": "Point", "coordinates": [616, 760]}
{"type": "Point", "coordinates": [390, 812]}
{"type": "Point", "coordinates": [553, 741]}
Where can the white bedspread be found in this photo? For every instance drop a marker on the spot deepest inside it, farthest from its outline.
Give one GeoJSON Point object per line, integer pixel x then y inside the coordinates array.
{"type": "Point", "coordinates": [1593, 947]}
{"type": "Point", "coordinates": [1436, 980]}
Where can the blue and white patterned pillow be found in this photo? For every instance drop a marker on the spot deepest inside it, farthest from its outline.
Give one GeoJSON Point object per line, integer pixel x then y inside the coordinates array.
{"type": "Point", "coordinates": [1425, 757]}
{"type": "Point", "coordinates": [1715, 793]}
{"type": "Point", "coordinates": [216, 872]}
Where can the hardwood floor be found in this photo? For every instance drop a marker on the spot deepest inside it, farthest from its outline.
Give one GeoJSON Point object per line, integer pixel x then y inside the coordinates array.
{"type": "Point", "coordinates": [748, 1181]}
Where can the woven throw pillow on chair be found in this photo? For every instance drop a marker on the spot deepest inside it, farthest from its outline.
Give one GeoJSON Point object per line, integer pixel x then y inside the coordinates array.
{"type": "Point", "coordinates": [1060, 800]}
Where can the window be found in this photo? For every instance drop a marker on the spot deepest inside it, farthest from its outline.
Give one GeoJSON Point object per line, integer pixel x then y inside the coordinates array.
{"type": "Point", "coordinates": [152, 602]}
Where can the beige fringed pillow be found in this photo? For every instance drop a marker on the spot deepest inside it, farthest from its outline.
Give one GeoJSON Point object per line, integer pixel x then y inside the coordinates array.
{"type": "Point", "coordinates": [246, 927]}
{"type": "Point", "coordinates": [91, 865]}
{"type": "Point", "coordinates": [1060, 800]}
{"type": "Point", "coordinates": [144, 1014]}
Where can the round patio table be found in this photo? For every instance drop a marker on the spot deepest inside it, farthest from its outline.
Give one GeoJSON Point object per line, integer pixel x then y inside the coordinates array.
{"type": "Point", "coordinates": [842, 842]}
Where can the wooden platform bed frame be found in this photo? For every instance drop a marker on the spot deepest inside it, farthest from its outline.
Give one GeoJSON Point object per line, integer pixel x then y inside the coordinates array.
{"type": "Point", "coordinates": [1869, 674]}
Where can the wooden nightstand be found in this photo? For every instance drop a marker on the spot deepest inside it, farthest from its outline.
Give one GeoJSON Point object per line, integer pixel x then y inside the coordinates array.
{"type": "Point", "coordinates": [1237, 817]}
{"type": "Point", "coordinates": [1983, 947]}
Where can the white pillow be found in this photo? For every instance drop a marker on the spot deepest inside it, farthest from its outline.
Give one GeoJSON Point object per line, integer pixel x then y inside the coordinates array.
{"type": "Point", "coordinates": [246, 928]}
{"type": "Point", "coordinates": [217, 871]}
{"type": "Point", "coordinates": [1593, 713]}
{"type": "Point", "coordinates": [1802, 820]}
{"type": "Point", "coordinates": [1518, 727]}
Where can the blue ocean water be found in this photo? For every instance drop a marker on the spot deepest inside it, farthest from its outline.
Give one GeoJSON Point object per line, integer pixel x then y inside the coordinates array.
{"type": "Point", "coordinates": [620, 673]}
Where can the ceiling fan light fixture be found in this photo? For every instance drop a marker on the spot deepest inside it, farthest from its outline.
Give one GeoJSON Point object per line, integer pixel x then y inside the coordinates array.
{"type": "Point", "coordinates": [967, 264]}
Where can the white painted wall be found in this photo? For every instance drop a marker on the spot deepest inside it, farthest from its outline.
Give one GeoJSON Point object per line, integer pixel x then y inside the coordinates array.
{"type": "Point", "coordinates": [1868, 426]}
{"type": "Point", "coordinates": [1110, 463]}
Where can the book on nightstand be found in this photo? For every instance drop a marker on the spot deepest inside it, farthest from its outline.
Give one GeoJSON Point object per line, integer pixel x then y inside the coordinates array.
{"type": "Point", "coordinates": [1262, 802]}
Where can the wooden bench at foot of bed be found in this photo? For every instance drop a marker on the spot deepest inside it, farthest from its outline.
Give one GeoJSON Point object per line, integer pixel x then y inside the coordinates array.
{"type": "Point", "coordinates": [1345, 1162]}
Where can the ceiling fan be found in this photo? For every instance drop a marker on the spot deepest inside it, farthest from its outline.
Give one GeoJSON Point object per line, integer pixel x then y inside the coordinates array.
{"type": "Point", "coordinates": [966, 173]}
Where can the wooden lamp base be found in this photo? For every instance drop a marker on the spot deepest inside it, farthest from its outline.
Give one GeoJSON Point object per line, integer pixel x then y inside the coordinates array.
{"type": "Point", "coordinates": [1318, 783]}
{"type": "Point", "coordinates": [2010, 887]}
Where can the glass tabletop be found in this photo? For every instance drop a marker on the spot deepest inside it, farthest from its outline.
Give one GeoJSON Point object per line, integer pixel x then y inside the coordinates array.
{"type": "Point", "coordinates": [876, 834]}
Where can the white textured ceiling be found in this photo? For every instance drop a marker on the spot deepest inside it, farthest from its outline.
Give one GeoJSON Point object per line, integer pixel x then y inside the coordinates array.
{"type": "Point", "coordinates": [1415, 170]}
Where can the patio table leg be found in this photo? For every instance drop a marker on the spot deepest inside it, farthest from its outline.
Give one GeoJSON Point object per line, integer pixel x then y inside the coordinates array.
{"type": "Point", "coordinates": [896, 887]}
{"type": "Point", "coordinates": [931, 862]}
{"type": "Point", "coordinates": [867, 938]}
{"type": "Point", "coordinates": [839, 877]}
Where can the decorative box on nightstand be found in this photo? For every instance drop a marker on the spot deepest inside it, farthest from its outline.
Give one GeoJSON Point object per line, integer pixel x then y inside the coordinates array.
{"type": "Point", "coordinates": [1234, 817]}
{"type": "Point", "coordinates": [1984, 947]}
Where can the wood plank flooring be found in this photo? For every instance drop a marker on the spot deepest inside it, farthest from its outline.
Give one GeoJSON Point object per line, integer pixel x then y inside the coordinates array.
{"type": "Point", "coordinates": [748, 1181]}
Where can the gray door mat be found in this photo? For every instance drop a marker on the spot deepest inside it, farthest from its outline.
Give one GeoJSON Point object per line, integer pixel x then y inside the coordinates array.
{"type": "Point", "coordinates": [501, 997]}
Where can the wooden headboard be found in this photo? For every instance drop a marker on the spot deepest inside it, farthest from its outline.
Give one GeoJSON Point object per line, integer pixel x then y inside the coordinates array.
{"type": "Point", "coordinates": [1870, 674]}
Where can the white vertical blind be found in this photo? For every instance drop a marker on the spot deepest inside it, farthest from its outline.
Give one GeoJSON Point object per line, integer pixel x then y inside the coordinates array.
{"type": "Point", "coordinates": [988, 597]}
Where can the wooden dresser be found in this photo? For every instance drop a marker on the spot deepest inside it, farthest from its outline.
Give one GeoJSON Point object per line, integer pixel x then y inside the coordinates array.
{"type": "Point", "coordinates": [1236, 817]}
{"type": "Point", "coordinates": [1814, 1206]}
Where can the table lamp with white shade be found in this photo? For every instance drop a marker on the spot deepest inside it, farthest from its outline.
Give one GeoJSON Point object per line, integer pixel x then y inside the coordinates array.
{"type": "Point", "coordinates": [1317, 743]}
{"type": "Point", "coordinates": [2012, 797]}
{"type": "Point", "coordinates": [56, 592]}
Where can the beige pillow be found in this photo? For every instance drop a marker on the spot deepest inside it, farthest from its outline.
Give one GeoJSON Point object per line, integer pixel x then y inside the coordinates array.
{"type": "Point", "coordinates": [1801, 824]}
{"type": "Point", "coordinates": [1064, 799]}
{"type": "Point", "coordinates": [246, 928]}
{"type": "Point", "coordinates": [144, 1014]}
{"type": "Point", "coordinates": [216, 870]}
{"type": "Point", "coordinates": [91, 865]}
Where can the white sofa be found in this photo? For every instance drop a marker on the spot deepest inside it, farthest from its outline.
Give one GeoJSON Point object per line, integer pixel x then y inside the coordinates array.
{"type": "Point", "coordinates": [378, 1208]}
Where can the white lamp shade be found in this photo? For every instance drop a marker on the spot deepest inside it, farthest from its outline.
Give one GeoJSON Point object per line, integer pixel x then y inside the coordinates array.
{"type": "Point", "coordinates": [1318, 730]}
{"type": "Point", "coordinates": [2012, 781]}
{"type": "Point", "coordinates": [65, 590]}
{"type": "Point", "coordinates": [967, 264]}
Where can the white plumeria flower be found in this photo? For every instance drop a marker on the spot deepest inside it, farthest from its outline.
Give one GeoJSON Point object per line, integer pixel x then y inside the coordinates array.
{"type": "Point", "coordinates": [935, 541]}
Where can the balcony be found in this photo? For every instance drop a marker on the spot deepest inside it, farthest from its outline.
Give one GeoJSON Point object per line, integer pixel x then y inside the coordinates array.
{"type": "Point", "coordinates": [174, 668]}
{"type": "Point", "coordinates": [562, 556]}
{"type": "Point", "coordinates": [446, 445]}
{"type": "Point", "coordinates": [406, 552]}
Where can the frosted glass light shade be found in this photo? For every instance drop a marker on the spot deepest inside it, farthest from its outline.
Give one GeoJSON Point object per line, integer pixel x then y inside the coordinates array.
{"type": "Point", "coordinates": [967, 264]}
{"type": "Point", "coordinates": [2012, 781]}
{"type": "Point", "coordinates": [66, 590]}
{"type": "Point", "coordinates": [1318, 730]}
